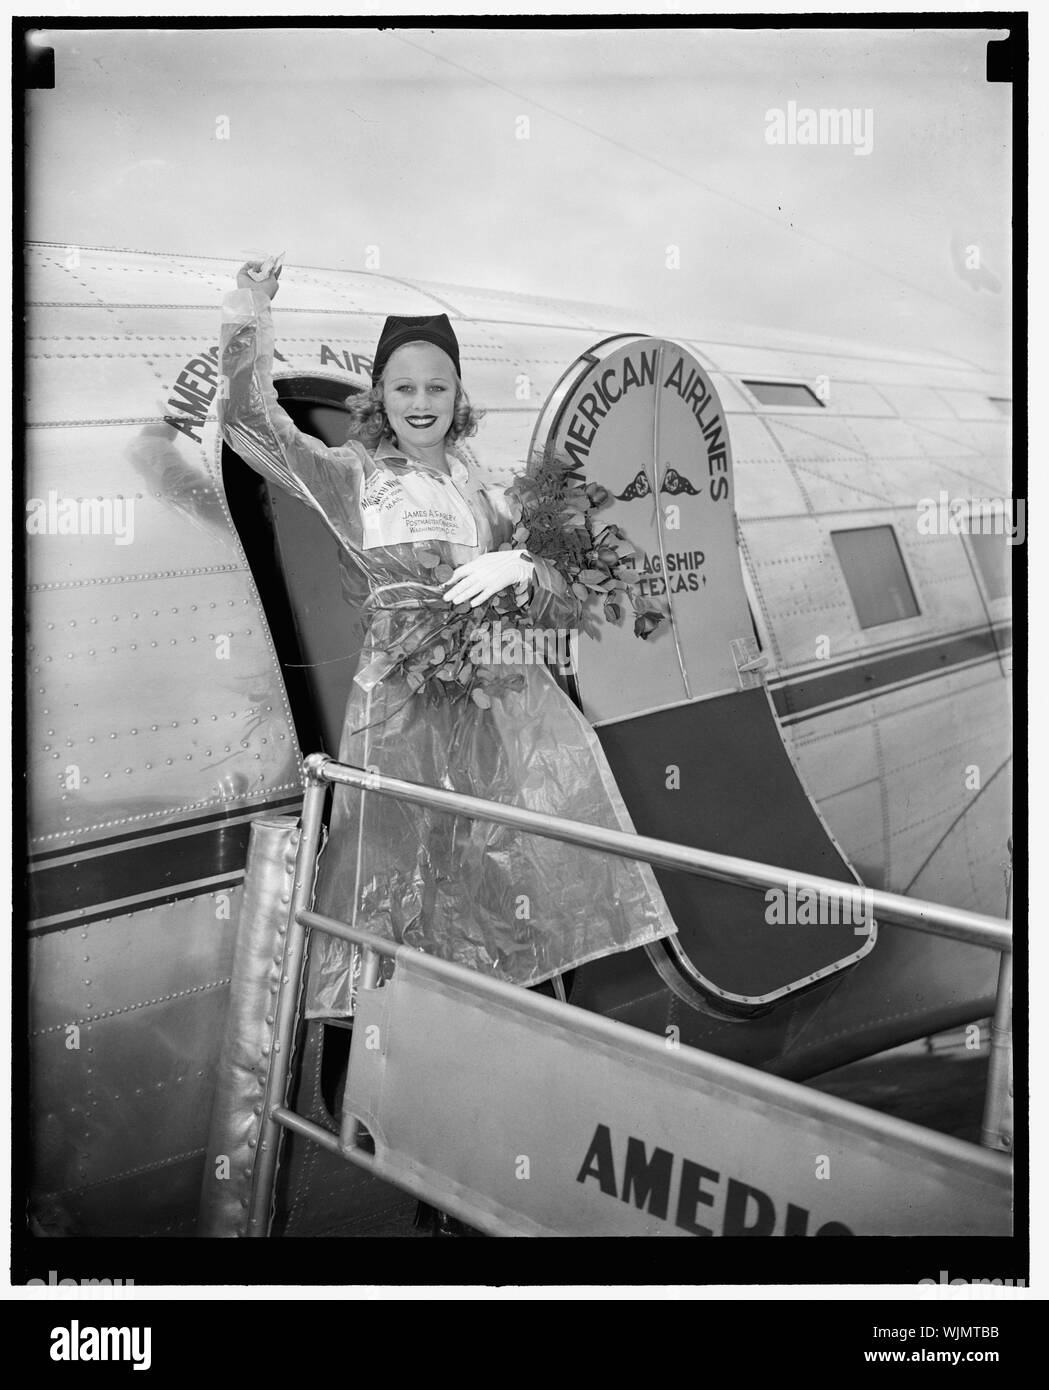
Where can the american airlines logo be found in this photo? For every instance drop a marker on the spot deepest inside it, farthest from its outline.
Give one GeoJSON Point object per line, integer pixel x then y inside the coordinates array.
{"type": "Point", "coordinates": [673, 482]}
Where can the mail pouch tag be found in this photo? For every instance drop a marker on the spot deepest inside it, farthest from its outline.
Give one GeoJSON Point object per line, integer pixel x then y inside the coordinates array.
{"type": "Point", "coordinates": [409, 507]}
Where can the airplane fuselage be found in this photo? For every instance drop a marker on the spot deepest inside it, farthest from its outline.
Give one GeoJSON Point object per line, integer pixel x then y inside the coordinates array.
{"type": "Point", "coordinates": [161, 720]}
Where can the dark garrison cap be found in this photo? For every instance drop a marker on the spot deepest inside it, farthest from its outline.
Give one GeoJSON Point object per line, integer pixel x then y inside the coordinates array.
{"type": "Point", "coordinates": [398, 330]}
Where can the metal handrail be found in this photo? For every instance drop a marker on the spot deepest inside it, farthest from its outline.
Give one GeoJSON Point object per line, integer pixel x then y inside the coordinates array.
{"type": "Point", "coordinates": [320, 769]}
{"type": "Point", "coordinates": [974, 928]}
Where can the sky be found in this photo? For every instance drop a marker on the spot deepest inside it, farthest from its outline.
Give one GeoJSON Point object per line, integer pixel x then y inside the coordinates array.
{"type": "Point", "coordinates": [625, 167]}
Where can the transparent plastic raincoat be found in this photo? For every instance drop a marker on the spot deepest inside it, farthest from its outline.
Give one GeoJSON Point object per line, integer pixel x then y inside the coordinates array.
{"type": "Point", "coordinates": [514, 905]}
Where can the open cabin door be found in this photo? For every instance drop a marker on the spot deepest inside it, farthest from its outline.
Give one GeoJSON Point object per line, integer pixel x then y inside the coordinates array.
{"type": "Point", "coordinates": [311, 594]}
{"type": "Point", "coordinates": [683, 716]}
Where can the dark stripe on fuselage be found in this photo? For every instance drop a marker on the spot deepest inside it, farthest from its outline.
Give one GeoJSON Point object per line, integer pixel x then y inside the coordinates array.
{"type": "Point", "coordinates": [811, 694]}
{"type": "Point", "coordinates": [216, 818]}
{"type": "Point", "coordinates": [822, 668]}
{"type": "Point", "coordinates": [126, 873]}
{"type": "Point", "coordinates": [189, 890]}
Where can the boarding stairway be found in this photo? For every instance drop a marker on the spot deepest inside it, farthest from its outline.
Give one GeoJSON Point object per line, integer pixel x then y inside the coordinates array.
{"type": "Point", "coordinates": [525, 1115]}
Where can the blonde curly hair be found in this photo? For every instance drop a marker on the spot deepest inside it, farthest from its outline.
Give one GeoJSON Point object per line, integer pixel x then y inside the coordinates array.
{"type": "Point", "coordinates": [370, 423]}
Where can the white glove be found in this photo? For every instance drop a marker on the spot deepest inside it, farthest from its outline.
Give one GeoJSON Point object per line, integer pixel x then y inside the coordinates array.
{"type": "Point", "coordinates": [477, 580]}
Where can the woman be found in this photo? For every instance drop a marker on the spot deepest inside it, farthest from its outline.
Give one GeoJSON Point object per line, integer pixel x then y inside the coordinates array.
{"type": "Point", "coordinates": [517, 906]}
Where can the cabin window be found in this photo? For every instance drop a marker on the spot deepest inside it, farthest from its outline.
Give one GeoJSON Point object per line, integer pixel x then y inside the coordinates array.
{"type": "Point", "coordinates": [992, 554]}
{"type": "Point", "coordinates": [793, 393]}
{"type": "Point", "coordinates": [874, 571]}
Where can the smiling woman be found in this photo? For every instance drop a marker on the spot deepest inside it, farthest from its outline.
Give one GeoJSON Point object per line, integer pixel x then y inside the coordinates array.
{"type": "Point", "coordinates": [417, 392]}
{"type": "Point", "coordinates": [430, 543]}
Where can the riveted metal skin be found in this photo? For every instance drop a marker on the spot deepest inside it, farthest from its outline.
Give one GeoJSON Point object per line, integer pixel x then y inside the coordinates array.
{"type": "Point", "coordinates": [158, 726]}
{"type": "Point", "coordinates": [122, 1069]}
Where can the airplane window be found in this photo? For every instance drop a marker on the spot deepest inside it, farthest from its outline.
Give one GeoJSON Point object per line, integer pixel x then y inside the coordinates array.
{"type": "Point", "coordinates": [874, 571]}
{"type": "Point", "coordinates": [992, 554]}
{"type": "Point", "coordinates": [1003, 403]}
{"type": "Point", "coordinates": [783, 393]}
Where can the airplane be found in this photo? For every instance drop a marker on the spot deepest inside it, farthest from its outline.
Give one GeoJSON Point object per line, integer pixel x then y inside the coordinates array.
{"type": "Point", "coordinates": [191, 637]}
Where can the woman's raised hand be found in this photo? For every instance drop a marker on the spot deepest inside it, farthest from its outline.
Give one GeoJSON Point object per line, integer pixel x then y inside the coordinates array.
{"type": "Point", "coordinates": [261, 275]}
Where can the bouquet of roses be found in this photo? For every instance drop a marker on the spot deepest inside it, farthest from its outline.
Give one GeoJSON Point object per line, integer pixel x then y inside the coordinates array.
{"type": "Point", "coordinates": [591, 565]}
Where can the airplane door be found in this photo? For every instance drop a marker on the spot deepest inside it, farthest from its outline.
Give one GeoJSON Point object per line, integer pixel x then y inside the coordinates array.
{"type": "Point", "coordinates": [665, 454]}
{"type": "Point", "coordinates": [690, 734]}
{"type": "Point", "coordinates": [307, 584]}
